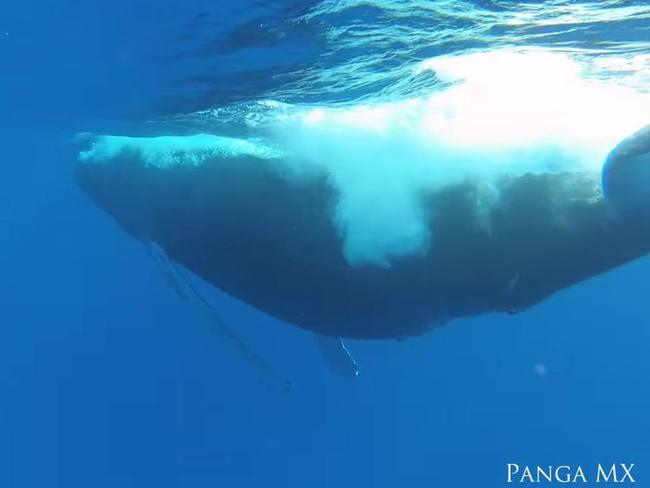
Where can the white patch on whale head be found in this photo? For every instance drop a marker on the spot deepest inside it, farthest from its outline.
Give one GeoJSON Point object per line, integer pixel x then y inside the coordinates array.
{"type": "Point", "coordinates": [164, 151]}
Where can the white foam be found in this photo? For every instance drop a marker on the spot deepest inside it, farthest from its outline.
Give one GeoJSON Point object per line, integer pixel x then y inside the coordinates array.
{"type": "Point", "coordinates": [164, 151]}
{"type": "Point", "coordinates": [506, 113]}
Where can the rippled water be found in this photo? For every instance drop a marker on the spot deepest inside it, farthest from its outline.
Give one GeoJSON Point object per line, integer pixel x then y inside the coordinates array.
{"type": "Point", "coordinates": [347, 52]}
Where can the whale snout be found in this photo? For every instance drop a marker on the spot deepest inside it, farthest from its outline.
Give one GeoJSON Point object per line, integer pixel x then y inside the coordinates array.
{"type": "Point", "coordinates": [626, 174]}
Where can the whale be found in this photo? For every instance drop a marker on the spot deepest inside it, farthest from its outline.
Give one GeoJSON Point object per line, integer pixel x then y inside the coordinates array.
{"type": "Point", "coordinates": [249, 225]}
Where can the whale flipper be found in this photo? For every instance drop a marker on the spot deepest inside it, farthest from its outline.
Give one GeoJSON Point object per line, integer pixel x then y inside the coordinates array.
{"type": "Point", "coordinates": [337, 356]}
{"type": "Point", "coordinates": [189, 294]}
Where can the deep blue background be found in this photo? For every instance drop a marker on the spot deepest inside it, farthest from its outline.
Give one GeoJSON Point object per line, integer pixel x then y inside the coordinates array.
{"type": "Point", "coordinates": [107, 379]}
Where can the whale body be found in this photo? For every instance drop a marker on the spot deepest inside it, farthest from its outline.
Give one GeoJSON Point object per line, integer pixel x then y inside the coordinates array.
{"type": "Point", "coordinates": [272, 239]}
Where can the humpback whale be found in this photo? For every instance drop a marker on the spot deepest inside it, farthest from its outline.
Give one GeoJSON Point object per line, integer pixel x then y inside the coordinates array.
{"type": "Point", "coordinates": [269, 238]}
{"type": "Point", "coordinates": [383, 221]}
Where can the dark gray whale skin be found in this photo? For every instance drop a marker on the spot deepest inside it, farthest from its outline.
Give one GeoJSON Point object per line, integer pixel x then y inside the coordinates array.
{"type": "Point", "coordinates": [269, 241]}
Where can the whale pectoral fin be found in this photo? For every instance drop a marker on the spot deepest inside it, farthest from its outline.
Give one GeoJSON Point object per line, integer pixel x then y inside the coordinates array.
{"type": "Point", "coordinates": [188, 293]}
{"type": "Point", "coordinates": [337, 356]}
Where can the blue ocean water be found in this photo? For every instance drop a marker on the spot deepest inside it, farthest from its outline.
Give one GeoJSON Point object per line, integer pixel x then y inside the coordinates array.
{"type": "Point", "coordinates": [109, 380]}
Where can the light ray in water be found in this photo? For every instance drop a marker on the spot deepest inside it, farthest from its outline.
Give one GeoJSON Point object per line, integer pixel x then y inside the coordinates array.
{"type": "Point", "coordinates": [188, 293]}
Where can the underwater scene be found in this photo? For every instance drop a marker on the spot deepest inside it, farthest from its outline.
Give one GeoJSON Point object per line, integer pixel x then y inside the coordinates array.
{"type": "Point", "coordinates": [324, 243]}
